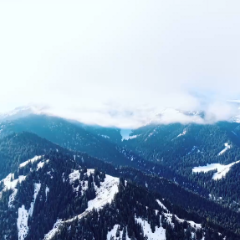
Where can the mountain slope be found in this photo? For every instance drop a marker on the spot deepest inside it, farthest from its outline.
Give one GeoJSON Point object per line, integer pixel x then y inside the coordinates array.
{"type": "Point", "coordinates": [54, 190]}
{"type": "Point", "coordinates": [53, 169]}
{"type": "Point", "coordinates": [17, 148]}
{"type": "Point", "coordinates": [65, 134]}
{"type": "Point", "coordinates": [184, 148]}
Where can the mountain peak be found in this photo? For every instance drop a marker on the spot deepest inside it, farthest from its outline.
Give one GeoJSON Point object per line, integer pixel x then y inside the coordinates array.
{"type": "Point", "coordinates": [23, 111]}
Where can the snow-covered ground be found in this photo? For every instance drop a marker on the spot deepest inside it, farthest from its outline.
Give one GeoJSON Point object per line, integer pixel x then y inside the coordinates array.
{"type": "Point", "coordinates": [104, 194]}
{"type": "Point", "coordinates": [54, 230]}
{"type": "Point", "coordinates": [113, 233]}
{"type": "Point", "coordinates": [227, 146]}
{"type": "Point", "coordinates": [22, 223]}
{"type": "Point", "coordinates": [161, 205]}
{"type": "Point", "coordinates": [134, 136]}
{"type": "Point", "coordinates": [169, 215]}
{"type": "Point", "coordinates": [40, 165]}
{"type": "Point", "coordinates": [75, 175]}
{"type": "Point", "coordinates": [222, 170]}
{"type": "Point", "coordinates": [10, 183]}
{"type": "Point", "coordinates": [37, 187]}
{"type": "Point", "coordinates": [36, 158]}
{"type": "Point", "coordinates": [182, 134]}
{"type": "Point", "coordinates": [159, 233]}
{"type": "Point", "coordinates": [12, 198]}
{"type": "Point", "coordinates": [23, 214]}
{"type": "Point", "coordinates": [47, 190]}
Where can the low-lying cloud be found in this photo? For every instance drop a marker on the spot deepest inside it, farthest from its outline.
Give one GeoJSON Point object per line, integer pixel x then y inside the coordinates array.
{"type": "Point", "coordinates": [121, 64]}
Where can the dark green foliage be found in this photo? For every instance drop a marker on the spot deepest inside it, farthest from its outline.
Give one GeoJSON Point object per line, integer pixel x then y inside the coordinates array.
{"type": "Point", "coordinates": [17, 148]}
{"type": "Point", "coordinates": [66, 134]}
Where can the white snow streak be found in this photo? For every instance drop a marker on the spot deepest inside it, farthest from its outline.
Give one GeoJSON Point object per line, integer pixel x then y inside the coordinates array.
{"type": "Point", "coordinates": [47, 190]}
{"type": "Point", "coordinates": [40, 165]}
{"type": "Point", "coordinates": [37, 187]}
{"type": "Point", "coordinates": [181, 134]}
{"type": "Point", "coordinates": [159, 234]}
{"type": "Point", "coordinates": [161, 204]}
{"type": "Point", "coordinates": [10, 183]}
{"type": "Point", "coordinates": [132, 137]}
{"type": "Point", "coordinates": [191, 223]}
{"type": "Point", "coordinates": [222, 170]}
{"type": "Point", "coordinates": [227, 146]}
{"type": "Point", "coordinates": [12, 198]}
{"type": "Point", "coordinates": [22, 223]}
{"type": "Point", "coordinates": [36, 158]}
{"type": "Point", "coordinates": [23, 215]}
{"type": "Point", "coordinates": [113, 232]}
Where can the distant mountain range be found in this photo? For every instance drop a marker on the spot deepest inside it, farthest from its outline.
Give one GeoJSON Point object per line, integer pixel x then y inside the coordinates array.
{"type": "Point", "coordinates": [164, 116]}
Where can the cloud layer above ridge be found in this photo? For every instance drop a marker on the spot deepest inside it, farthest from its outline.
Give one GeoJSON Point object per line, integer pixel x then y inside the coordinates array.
{"type": "Point", "coordinates": [121, 64]}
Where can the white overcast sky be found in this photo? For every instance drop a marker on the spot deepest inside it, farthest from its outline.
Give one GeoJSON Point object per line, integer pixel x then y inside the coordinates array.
{"type": "Point", "coordinates": [119, 62]}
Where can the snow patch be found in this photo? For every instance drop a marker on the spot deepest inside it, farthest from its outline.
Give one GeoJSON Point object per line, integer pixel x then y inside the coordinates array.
{"type": "Point", "coordinates": [75, 175]}
{"type": "Point", "coordinates": [90, 171]}
{"type": "Point", "coordinates": [191, 223]}
{"type": "Point", "coordinates": [10, 183]}
{"type": "Point", "coordinates": [54, 230]}
{"type": "Point", "coordinates": [159, 233]}
{"type": "Point", "coordinates": [104, 194]}
{"type": "Point", "coordinates": [36, 158]}
{"type": "Point", "coordinates": [161, 205]}
{"type": "Point", "coordinates": [12, 198]}
{"type": "Point", "coordinates": [47, 190]}
{"type": "Point", "coordinates": [227, 146]}
{"type": "Point", "coordinates": [222, 170]}
{"type": "Point", "coordinates": [37, 187]}
{"type": "Point", "coordinates": [22, 223]}
{"type": "Point", "coordinates": [40, 165]}
{"type": "Point", "coordinates": [134, 136]}
{"type": "Point", "coordinates": [113, 234]}
{"type": "Point", "coordinates": [182, 134]}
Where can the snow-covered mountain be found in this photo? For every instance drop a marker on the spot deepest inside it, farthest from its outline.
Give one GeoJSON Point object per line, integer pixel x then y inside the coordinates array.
{"type": "Point", "coordinates": [53, 197]}
{"type": "Point", "coordinates": [48, 192]}
{"type": "Point", "coordinates": [23, 111]}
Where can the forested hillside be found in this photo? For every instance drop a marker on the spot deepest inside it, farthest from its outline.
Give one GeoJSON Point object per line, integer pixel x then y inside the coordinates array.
{"type": "Point", "coordinates": [64, 133]}
{"type": "Point", "coordinates": [182, 176]}
{"type": "Point", "coordinates": [55, 190]}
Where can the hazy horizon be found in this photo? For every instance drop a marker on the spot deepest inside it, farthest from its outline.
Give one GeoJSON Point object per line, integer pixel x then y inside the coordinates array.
{"type": "Point", "coordinates": [121, 63]}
